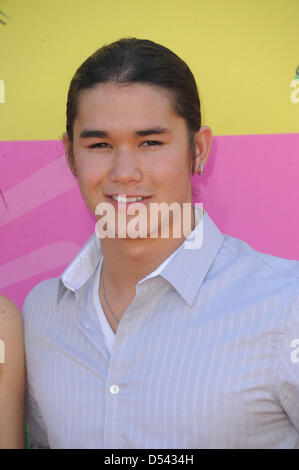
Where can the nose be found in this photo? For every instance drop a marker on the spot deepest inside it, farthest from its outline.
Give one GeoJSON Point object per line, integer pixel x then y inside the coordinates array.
{"type": "Point", "coordinates": [125, 168]}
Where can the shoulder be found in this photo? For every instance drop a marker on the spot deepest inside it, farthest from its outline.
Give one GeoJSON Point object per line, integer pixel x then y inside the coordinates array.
{"type": "Point", "coordinates": [252, 259]}
{"type": "Point", "coordinates": [11, 340]}
{"type": "Point", "coordinates": [40, 302]}
{"type": "Point", "coordinates": [10, 318]}
{"type": "Point", "coordinates": [267, 282]}
{"type": "Point", "coordinates": [41, 294]}
{"type": "Point", "coordinates": [7, 306]}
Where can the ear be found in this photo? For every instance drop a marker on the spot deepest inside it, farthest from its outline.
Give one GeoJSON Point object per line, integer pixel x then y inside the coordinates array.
{"type": "Point", "coordinates": [68, 149]}
{"type": "Point", "coordinates": [202, 142]}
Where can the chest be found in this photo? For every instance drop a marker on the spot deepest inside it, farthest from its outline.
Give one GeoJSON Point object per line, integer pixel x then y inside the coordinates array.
{"type": "Point", "coordinates": [195, 386]}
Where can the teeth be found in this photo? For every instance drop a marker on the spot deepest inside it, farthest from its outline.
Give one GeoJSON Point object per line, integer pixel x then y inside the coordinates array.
{"type": "Point", "coordinates": [127, 199]}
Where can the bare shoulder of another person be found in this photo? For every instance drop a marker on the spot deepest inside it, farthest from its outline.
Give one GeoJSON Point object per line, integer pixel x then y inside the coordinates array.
{"type": "Point", "coordinates": [11, 325]}
{"type": "Point", "coordinates": [12, 375]}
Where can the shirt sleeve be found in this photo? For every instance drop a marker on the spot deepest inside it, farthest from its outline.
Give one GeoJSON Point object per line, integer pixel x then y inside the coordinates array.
{"type": "Point", "coordinates": [288, 367]}
{"type": "Point", "coordinates": [37, 430]}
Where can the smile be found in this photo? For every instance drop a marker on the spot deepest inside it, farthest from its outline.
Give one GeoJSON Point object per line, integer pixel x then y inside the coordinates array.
{"type": "Point", "coordinates": [128, 199]}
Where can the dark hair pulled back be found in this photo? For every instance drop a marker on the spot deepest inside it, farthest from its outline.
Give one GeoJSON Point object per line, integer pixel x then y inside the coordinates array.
{"type": "Point", "coordinates": [131, 60]}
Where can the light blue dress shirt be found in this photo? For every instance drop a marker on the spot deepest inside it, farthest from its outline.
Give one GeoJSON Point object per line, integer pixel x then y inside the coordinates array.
{"type": "Point", "coordinates": [206, 355]}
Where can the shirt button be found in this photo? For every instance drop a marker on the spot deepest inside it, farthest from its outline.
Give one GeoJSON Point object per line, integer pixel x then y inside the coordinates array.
{"type": "Point", "coordinates": [114, 389]}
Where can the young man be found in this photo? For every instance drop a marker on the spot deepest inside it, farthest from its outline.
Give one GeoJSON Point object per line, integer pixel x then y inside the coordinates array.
{"type": "Point", "coordinates": [141, 342]}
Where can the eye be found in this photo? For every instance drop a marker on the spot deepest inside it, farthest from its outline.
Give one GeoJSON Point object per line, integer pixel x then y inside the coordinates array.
{"type": "Point", "coordinates": [152, 143]}
{"type": "Point", "coordinates": [98, 145]}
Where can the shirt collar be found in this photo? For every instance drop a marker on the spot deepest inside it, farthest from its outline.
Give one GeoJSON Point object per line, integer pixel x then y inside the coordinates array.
{"type": "Point", "coordinates": [185, 271]}
{"type": "Point", "coordinates": [188, 268]}
{"type": "Point", "coordinates": [81, 268]}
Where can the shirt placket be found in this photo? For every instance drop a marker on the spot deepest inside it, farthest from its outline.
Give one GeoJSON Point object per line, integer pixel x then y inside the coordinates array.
{"type": "Point", "coordinates": [116, 389]}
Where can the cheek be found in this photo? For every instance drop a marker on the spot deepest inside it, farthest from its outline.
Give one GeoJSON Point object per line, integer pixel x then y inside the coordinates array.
{"type": "Point", "coordinates": [171, 171]}
{"type": "Point", "coordinates": [88, 182]}
{"type": "Point", "coordinates": [89, 175]}
{"type": "Point", "coordinates": [86, 178]}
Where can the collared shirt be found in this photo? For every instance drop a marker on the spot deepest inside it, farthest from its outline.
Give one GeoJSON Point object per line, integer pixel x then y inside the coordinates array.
{"type": "Point", "coordinates": [205, 356]}
{"type": "Point", "coordinates": [109, 335]}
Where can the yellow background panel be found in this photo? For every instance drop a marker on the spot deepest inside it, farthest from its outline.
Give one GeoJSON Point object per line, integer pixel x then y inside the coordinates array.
{"type": "Point", "coordinates": [243, 53]}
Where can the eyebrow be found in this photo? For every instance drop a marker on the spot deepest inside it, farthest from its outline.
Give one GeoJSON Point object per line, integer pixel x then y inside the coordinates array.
{"type": "Point", "coordinates": [87, 133]}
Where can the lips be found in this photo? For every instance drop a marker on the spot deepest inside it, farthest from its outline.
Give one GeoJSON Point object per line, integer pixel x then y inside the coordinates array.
{"type": "Point", "coordinates": [121, 201]}
{"type": "Point", "coordinates": [127, 199]}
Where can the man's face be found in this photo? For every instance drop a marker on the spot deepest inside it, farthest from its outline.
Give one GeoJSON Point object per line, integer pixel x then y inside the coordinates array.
{"type": "Point", "coordinates": [123, 162]}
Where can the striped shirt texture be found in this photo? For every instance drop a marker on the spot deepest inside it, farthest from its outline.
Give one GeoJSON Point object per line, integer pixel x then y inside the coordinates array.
{"type": "Point", "coordinates": [109, 335]}
{"type": "Point", "coordinates": [205, 357]}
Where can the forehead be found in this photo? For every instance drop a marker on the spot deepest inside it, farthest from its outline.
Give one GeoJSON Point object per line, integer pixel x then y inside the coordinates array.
{"type": "Point", "coordinates": [110, 105]}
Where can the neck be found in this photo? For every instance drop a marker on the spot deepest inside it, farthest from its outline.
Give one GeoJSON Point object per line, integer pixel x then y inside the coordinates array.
{"type": "Point", "coordinates": [127, 260]}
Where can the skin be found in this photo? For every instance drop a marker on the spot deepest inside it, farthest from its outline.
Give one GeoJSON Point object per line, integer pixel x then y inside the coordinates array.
{"type": "Point", "coordinates": [12, 377]}
{"type": "Point", "coordinates": [124, 163]}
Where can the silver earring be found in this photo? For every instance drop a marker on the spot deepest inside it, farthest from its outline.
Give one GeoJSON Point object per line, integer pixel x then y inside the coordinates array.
{"type": "Point", "coordinates": [201, 169]}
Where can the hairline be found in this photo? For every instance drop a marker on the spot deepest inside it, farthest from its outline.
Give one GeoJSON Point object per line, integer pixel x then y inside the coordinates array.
{"type": "Point", "coordinates": [169, 93]}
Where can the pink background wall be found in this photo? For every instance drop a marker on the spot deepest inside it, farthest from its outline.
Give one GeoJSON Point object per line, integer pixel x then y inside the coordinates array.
{"type": "Point", "coordinates": [249, 188]}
